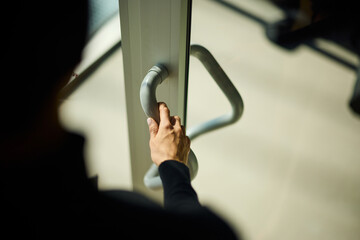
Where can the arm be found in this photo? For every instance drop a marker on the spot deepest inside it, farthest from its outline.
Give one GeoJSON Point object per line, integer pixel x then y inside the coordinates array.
{"type": "Point", "coordinates": [178, 191]}
{"type": "Point", "coordinates": [170, 148]}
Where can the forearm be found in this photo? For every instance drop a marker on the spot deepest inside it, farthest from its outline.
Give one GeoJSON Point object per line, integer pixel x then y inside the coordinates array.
{"type": "Point", "coordinates": [178, 191]}
{"type": "Point", "coordinates": [181, 198]}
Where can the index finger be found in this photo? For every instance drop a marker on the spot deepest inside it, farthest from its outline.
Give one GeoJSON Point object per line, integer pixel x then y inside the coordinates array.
{"type": "Point", "coordinates": [164, 114]}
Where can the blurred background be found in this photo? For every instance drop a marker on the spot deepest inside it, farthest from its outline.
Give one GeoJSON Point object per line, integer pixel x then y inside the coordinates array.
{"type": "Point", "coordinates": [290, 168]}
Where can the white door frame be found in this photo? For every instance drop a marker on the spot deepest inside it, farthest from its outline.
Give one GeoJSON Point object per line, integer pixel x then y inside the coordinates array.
{"type": "Point", "coordinates": [153, 31]}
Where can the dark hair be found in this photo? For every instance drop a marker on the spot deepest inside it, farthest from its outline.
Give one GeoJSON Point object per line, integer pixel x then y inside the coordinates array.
{"type": "Point", "coordinates": [42, 41]}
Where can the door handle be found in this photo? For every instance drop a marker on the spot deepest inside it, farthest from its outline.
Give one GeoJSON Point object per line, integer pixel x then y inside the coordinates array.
{"type": "Point", "coordinates": [157, 74]}
{"type": "Point", "coordinates": [227, 87]}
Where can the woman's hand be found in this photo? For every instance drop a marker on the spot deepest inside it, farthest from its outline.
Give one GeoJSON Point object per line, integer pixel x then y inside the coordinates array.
{"type": "Point", "coordinates": [168, 140]}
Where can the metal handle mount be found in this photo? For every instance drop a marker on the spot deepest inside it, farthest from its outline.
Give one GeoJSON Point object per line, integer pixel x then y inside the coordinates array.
{"type": "Point", "coordinates": [157, 75]}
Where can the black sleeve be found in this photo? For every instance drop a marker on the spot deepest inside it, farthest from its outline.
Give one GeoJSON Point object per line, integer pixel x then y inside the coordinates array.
{"type": "Point", "coordinates": [181, 198]}
{"type": "Point", "coordinates": [178, 191]}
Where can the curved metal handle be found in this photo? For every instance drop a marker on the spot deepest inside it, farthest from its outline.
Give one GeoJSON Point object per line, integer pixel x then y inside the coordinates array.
{"type": "Point", "coordinates": [152, 80]}
{"type": "Point", "coordinates": [156, 76]}
{"type": "Point", "coordinates": [227, 87]}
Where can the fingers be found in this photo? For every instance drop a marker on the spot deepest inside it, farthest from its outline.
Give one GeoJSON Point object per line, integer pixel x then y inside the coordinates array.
{"type": "Point", "coordinates": [177, 122]}
{"type": "Point", "coordinates": [164, 114]}
{"type": "Point", "coordinates": [167, 120]}
{"type": "Point", "coordinates": [183, 129]}
{"type": "Point", "coordinates": [153, 127]}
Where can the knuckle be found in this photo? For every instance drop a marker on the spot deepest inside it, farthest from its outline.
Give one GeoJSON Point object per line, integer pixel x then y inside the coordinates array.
{"type": "Point", "coordinates": [167, 125]}
{"type": "Point", "coordinates": [166, 111]}
{"type": "Point", "coordinates": [164, 107]}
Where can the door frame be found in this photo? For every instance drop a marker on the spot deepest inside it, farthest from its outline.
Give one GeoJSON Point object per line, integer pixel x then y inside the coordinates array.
{"type": "Point", "coordinates": [153, 31]}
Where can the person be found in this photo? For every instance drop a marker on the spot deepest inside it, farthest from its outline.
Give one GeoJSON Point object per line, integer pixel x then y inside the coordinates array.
{"type": "Point", "coordinates": [45, 192]}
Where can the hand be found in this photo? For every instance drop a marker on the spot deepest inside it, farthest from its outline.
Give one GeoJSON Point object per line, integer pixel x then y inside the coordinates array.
{"type": "Point", "coordinates": [168, 140]}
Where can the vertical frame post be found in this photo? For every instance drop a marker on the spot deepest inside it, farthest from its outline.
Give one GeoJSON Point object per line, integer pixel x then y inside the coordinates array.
{"type": "Point", "coordinates": [153, 31]}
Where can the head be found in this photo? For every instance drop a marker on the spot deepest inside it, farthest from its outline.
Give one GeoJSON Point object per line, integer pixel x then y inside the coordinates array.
{"type": "Point", "coordinates": [43, 42]}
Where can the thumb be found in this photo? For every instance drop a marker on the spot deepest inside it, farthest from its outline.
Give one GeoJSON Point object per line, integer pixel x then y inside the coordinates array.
{"type": "Point", "coordinates": [153, 127]}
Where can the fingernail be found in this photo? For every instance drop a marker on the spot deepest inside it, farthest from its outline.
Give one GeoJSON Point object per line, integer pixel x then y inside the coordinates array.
{"type": "Point", "coordinates": [149, 120]}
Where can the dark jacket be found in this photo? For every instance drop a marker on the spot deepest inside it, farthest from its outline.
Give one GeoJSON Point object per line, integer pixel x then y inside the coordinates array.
{"type": "Point", "coordinates": [50, 197]}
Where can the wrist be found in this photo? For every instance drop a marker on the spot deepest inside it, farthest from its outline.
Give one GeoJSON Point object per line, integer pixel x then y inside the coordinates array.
{"type": "Point", "coordinates": [173, 160]}
{"type": "Point", "coordinates": [170, 159]}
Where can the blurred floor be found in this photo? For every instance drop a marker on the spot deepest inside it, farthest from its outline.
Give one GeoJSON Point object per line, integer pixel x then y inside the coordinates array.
{"type": "Point", "coordinates": [289, 169]}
